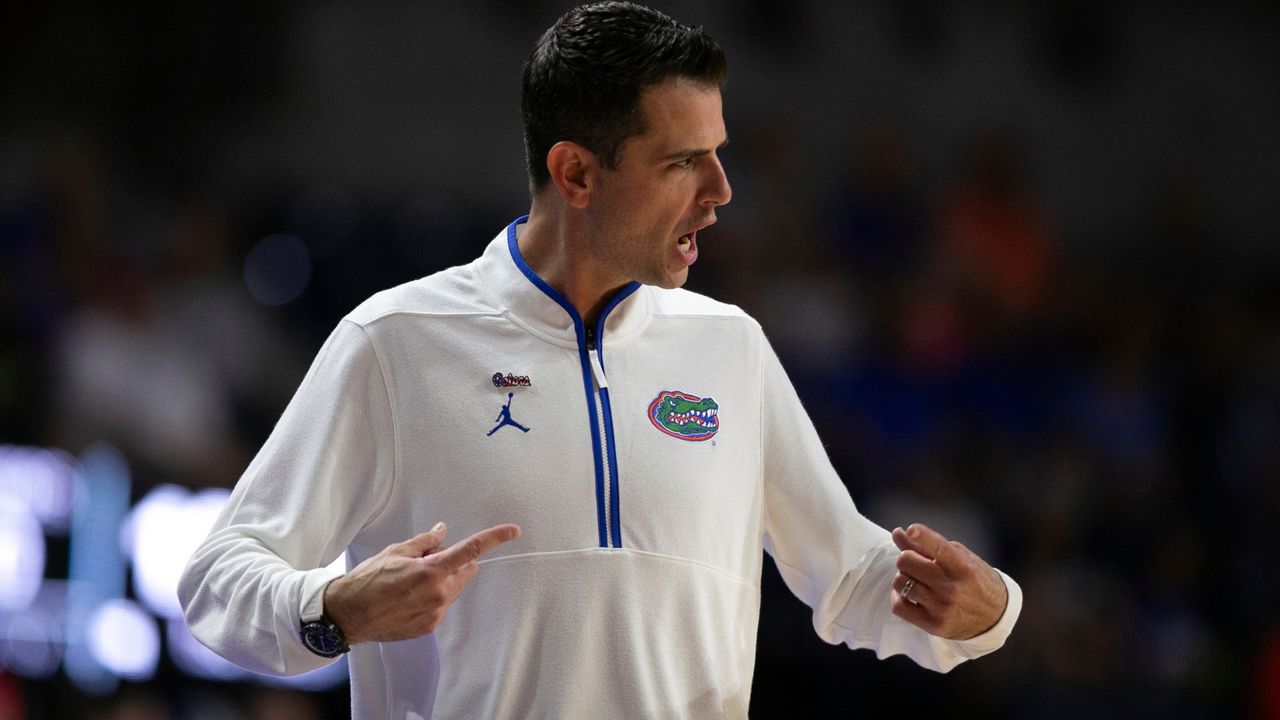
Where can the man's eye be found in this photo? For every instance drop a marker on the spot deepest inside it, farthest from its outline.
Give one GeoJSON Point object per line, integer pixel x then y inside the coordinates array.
{"type": "Point", "coordinates": [685, 164]}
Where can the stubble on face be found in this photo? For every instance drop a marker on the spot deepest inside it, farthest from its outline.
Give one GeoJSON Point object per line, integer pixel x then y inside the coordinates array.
{"type": "Point", "coordinates": [635, 251]}
{"type": "Point", "coordinates": [644, 205]}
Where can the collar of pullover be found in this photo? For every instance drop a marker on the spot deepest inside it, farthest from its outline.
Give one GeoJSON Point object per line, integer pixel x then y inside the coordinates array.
{"type": "Point", "coordinates": [531, 302]}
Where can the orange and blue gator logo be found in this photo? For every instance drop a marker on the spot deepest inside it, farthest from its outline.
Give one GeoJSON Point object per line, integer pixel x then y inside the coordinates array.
{"type": "Point", "coordinates": [684, 416]}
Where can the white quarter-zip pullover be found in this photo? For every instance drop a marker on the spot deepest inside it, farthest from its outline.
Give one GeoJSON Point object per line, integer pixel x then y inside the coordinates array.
{"type": "Point", "coordinates": [649, 461]}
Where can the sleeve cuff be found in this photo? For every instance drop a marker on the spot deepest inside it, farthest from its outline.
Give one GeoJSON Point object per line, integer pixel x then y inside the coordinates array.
{"type": "Point", "coordinates": [994, 638]}
{"type": "Point", "coordinates": [314, 583]}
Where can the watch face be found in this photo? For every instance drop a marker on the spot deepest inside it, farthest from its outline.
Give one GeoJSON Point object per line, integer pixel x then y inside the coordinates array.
{"type": "Point", "coordinates": [322, 639]}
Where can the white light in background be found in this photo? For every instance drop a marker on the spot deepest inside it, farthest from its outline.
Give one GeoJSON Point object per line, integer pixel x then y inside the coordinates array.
{"type": "Point", "coordinates": [160, 535]}
{"type": "Point", "coordinates": [21, 555]}
{"type": "Point", "coordinates": [37, 490]}
{"type": "Point", "coordinates": [277, 269]}
{"type": "Point", "coordinates": [123, 638]}
{"type": "Point", "coordinates": [39, 478]}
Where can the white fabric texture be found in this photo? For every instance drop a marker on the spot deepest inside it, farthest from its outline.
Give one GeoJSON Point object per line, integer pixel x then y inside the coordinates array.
{"type": "Point", "coordinates": [388, 434]}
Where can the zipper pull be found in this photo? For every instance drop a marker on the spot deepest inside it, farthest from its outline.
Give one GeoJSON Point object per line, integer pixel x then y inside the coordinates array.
{"type": "Point", "coordinates": [597, 370]}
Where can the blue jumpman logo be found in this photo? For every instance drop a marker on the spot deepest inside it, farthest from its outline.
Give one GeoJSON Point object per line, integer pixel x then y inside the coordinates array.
{"type": "Point", "coordinates": [504, 418]}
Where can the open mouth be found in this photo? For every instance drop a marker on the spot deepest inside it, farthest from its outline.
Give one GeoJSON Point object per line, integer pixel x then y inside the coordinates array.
{"type": "Point", "coordinates": [687, 246]}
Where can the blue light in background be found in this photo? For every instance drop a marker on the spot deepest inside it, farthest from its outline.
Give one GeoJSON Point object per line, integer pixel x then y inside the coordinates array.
{"type": "Point", "coordinates": [97, 567]}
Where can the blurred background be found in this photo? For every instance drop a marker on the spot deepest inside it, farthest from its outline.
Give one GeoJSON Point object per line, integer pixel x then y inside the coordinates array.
{"type": "Point", "coordinates": [1019, 259]}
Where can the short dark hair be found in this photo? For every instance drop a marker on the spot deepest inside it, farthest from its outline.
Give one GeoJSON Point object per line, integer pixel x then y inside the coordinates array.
{"type": "Point", "coordinates": [583, 80]}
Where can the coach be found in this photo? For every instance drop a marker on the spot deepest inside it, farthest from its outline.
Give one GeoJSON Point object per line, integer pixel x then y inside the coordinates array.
{"type": "Point", "coordinates": [617, 453]}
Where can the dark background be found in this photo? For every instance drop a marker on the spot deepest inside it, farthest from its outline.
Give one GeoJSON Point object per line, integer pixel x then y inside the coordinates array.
{"type": "Point", "coordinates": [1019, 259]}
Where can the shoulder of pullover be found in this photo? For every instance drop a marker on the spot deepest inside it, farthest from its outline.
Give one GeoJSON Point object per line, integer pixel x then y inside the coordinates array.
{"type": "Point", "coordinates": [454, 291]}
{"type": "Point", "coordinates": [685, 302]}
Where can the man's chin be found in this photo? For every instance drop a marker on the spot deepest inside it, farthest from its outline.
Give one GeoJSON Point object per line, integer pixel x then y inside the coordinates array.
{"type": "Point", "coordinates": [671, 281]}
{"type": "Point", "coordinates": [667, 278]}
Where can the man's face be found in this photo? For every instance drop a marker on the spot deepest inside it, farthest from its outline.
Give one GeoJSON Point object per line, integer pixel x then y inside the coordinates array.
{"type": "Point", "coordinates": [645, 214]}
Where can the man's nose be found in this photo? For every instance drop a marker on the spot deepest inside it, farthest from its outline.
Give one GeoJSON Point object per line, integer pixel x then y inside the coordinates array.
{"type": "Point", "coordinates": [717, 190]}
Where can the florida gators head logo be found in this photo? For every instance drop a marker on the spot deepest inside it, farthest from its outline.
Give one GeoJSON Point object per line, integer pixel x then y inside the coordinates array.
{"type": "Point", "coordinates": [685, 416]}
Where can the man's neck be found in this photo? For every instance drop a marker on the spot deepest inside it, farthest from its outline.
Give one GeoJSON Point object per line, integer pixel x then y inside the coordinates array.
{"type": "Point", "coordinates": [559, 253]}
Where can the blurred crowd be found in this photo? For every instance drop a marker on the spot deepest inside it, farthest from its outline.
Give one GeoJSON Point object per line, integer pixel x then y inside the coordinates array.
{"type": "Point", "coordinates": [1104, 424]}
{"type": "Point", "coordinates": [1109, 431]}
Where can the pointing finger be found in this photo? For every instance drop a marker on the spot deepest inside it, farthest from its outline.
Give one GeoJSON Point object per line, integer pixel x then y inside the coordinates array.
{"type": "Point", "coordinates": [424, 543]}
{"type": "Point", "coordinates": [472, 548]}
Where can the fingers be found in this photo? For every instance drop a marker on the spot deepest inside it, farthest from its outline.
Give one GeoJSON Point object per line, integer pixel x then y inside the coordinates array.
{"type": "Point", "coordinates": [467, 572]}
{"type": "Point", "coordinates": [915, 559]}
{"type": "Point", "coordinates": [904, 542]}
{"type": "Point", "coordinates": [424, 543]}
{"type": "Point", "coordinates": [929, 543]}
{"type": "Point", "coordinates": [913, 564]}
{"type": "Point", "coordinates": [449, 590]}
{"type": "Point", "coordinates": [470, 550]}
{"type": "Point", "coordinates": [455, 567]}
{"type": "Point", "coordinates": [922, 539]}
{"type": "Point", "coordinates": [916, 614]}
{"type": "Point", "coordinates": [920, 593]}
{"type": "Point", "coordinates": [921, 606]}
{"type": "Point", "coordinates": [953, 593]}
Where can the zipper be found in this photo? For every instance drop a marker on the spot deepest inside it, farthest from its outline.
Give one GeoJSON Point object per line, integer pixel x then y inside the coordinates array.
{"type": "Point", "coordinates": [596, 387]}
{"type": "Point", "coordinates": [595, 342]}
{"type": "Point", "coordinates": [601, 383]}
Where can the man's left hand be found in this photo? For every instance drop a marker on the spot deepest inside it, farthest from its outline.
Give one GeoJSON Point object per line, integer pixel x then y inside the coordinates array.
{"type": "Point", "coordinates": [953, 593]}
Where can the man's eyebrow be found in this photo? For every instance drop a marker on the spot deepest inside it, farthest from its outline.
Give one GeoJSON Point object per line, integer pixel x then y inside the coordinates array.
{"type": "Point", "coordinates": [693, 152]}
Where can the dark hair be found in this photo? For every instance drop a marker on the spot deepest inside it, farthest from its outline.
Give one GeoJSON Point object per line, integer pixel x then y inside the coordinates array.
{"type": "Point", "coordinates": [583, 80]}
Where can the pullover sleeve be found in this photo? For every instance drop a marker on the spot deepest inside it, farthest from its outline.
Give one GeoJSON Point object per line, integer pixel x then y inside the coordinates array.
{"type": "Point", "coordinates": [832, 557]}
{"type": "Point", "coordinates": [326, 469]}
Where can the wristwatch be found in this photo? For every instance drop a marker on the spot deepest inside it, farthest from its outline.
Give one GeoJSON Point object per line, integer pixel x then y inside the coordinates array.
{"type": "Point", "coordinates": [324, 638]}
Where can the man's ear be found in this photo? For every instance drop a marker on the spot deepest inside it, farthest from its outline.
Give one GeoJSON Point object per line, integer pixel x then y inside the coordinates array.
{"type": "Point", "coordinates": [571, 167]}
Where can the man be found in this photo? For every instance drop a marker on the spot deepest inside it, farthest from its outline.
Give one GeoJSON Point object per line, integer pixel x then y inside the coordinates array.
{"type": "Point", "coordinates": [648, 447]}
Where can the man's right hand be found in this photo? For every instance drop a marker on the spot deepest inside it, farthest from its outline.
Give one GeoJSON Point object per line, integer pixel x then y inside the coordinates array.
{"type": "Point", "coordinates": [404, 591]}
